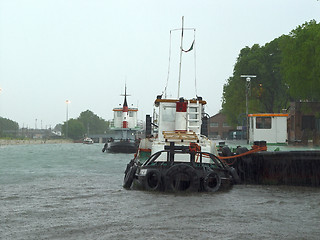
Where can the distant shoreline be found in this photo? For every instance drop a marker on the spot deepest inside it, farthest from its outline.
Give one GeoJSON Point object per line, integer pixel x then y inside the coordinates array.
{"type": "Point", "coordinates": [32, 141]}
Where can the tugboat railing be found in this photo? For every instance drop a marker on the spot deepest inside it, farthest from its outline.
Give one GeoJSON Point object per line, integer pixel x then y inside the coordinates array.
{"type": "Point", "coordinates": [170, 159]}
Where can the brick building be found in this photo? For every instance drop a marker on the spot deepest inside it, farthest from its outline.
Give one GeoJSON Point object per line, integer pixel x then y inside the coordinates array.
{"type": "Point", "coordinates": [304, 122]}
{"type": "Point", "coordinates": [219, 127]}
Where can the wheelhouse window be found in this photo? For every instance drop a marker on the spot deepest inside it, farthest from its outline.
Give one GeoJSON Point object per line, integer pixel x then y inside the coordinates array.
{"type": "Point", "coordinates": [263, 123]}
{"type": "Point", "coordinates": [168, 113]}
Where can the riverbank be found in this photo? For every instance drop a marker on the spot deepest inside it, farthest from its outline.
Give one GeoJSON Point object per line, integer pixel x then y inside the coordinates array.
{"type": "Point", "coordinates": [32, 141]}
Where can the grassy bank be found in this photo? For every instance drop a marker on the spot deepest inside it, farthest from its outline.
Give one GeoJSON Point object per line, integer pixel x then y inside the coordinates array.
{"type": "Point", "coordinates": [4, 141]}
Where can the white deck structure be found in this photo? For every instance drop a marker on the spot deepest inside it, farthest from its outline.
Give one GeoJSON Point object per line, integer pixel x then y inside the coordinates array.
{"type": "Point", "coordinates": [179, 121]}
{"type": "Point", "coordinates": [131, 117]}
{"type": "Point", "coordinates": [270, 127]}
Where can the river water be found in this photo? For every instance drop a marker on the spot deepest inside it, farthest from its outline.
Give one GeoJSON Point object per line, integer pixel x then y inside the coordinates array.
{"type": "Point", "coordinates": [74, 191]}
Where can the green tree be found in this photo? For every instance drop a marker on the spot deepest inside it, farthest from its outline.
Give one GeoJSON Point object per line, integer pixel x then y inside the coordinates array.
{"type": "Point", "coordinates": [8, 128]}
{"type": "Point", "coordinates": [93, 123]}
{"type": "Point", "coordinates": [233, 103]}
{"type": "Point", "coordinates": [267, 91]}
{"type": "Point", "coordinates": [301, 61]}
{"type": "Point", "coordinates": [75, 129]}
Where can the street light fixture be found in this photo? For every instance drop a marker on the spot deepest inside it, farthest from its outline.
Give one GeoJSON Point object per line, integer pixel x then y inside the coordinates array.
{"type": "Point", "coordinates": [67, 103]}
{"type": "Point", "coordinates": [248, 83]}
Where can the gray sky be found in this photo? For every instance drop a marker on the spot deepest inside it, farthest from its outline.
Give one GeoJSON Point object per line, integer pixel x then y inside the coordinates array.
{"type": "Point", "coordinates": [85, 51]}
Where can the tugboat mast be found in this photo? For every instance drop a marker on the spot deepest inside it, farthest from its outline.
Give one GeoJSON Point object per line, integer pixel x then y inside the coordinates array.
{"type": "Point", "coordinates": [125, 109]}
{"type": "Point", "coordinates": [181, 52]}
{"type": "Point", "coordinates": [180, 58]}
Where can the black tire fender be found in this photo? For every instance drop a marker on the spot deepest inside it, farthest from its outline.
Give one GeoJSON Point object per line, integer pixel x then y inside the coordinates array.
{"type": "Point", "coordinates": [152, 180]}
{"type": "Point", "coordinates": [226, 152]}
{"type": "Point", "coordinates": [129, 165]}
{"type": "Point", "coordinates": [176, 173]}
{"type": "Point", "coordinates": [246, 158]}
{"type": "Point", "coordinates": [104, 147]}
{"type": "Point", "coordinates": [235, 176]}
{"type": "Point", "coordinates": [128, 178]}
{"type": "Point", "coordinates": [212, 182]}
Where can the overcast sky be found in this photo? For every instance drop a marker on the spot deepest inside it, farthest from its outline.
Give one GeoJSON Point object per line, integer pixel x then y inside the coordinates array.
{"type": "Point", "coordinates": [85, 50]}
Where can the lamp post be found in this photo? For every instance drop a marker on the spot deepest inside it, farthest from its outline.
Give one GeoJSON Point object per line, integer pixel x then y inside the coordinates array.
{"type": "Point", "coordinates": [248, 79]}
{"type": "Point", "coordinates": [0, 90]}
{"type": "Point", "coordinates": [67, 103]}
{"type": "Point", "coordinates": [0, 94]}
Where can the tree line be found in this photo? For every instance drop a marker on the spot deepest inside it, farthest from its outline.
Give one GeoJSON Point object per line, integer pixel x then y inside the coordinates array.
{"type": "Point", "coordinates": [86, 123]}
{"type": "Point", "coordinates": [287, 69]}
{"type": "Point", "coordinates": [8, 128]}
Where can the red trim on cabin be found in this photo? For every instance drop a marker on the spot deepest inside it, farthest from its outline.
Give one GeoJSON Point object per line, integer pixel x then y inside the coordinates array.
{"type": "Point", "coordinates": [125, 124]}
{"type": "Point", "coordinates": [181, 106]}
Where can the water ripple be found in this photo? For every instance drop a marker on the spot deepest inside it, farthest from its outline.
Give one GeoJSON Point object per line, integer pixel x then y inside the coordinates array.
{"type": "Point", "coordinates": [73, 191]}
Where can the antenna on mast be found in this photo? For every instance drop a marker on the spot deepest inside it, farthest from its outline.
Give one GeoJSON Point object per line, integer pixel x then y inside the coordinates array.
{"type": "Point", "coordinates": [180, 57]}
{"type": "Point", "coordinates": [125, 95]}
{"type": "Point", "coordinates": [181, 51]}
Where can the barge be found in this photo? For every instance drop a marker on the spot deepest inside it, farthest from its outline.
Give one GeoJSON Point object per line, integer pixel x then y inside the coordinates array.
{"type": "Point", "coordinates": [259, 166]}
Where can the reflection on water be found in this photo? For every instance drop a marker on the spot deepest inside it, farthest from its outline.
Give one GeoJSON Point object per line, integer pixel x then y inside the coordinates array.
{"type": "Point", "coordinates": [74, 191]}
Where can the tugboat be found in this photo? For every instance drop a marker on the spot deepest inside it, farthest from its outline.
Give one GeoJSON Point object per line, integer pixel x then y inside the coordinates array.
{"type": "Point", "coordinates": [179, 158]}
{"type": "Point", "coordinates": [124, 130]}
{"type": "Point", "coordinates": [176, 155]}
